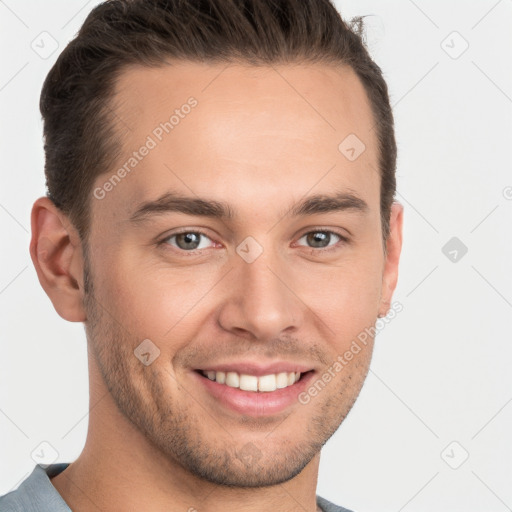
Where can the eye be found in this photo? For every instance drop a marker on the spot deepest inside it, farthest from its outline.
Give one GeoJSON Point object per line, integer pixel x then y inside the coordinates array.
{"type": "Point", "coordinates": [187, 240]}
{"type": "Point", "coordinates": [321, 239]}
{"type": "Point", "coordinates": [191, 241]}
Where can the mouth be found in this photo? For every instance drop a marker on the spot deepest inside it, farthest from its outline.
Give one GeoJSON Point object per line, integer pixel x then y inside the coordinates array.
{"type": "Point", "coordinates": [253, 392]}
{"type": "Point", "coordinates": [264, 383]}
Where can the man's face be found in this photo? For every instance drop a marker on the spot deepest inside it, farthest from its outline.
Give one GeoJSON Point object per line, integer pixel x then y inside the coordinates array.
{"type": "Point", "coordinates": [266, 291]}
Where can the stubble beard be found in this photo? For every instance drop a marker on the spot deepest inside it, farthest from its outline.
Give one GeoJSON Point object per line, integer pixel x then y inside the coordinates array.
{"type": "Point", "coordinates": [185, 437]}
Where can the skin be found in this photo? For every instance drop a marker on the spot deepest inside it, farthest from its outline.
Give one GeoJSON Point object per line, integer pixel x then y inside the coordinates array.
{"type": "Point", "coordinates": [157, 440]}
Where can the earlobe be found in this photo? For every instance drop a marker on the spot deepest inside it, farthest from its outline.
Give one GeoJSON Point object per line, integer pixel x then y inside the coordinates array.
{"type": "Point", "coordinates": [56, 251]}
{"type": "Point", "coordinates": [394, 248]}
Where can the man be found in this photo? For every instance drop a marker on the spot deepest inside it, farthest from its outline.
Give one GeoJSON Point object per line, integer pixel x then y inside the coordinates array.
{"type": "Point", "coordinates": [220, 216]}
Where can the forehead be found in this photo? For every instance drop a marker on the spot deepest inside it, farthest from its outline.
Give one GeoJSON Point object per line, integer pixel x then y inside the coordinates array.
{"type": "Point", "coordinates": [268, 132]}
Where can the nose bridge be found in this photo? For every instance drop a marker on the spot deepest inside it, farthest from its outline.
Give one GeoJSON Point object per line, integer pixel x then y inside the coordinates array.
{"type": "Point", "coordinates": [264, 279]}
{"type": "Point", "coordinates": [259, 300]}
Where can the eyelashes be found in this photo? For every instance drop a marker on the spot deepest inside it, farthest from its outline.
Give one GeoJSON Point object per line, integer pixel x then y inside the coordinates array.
{"type": "Point", "coordinates": [326, 234]}
{"type": "Point", "coordinates": [183, 239]}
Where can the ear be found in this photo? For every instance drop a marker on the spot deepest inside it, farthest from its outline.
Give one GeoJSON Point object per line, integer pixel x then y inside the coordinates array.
{"type": "Point", "coordinates": [56, 251]}
{"type": "Point", "coordinates": [393, 249]}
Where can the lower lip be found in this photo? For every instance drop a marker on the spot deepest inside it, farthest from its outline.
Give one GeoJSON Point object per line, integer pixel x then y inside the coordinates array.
{"type": "Point", "coordinates": [255, 403]}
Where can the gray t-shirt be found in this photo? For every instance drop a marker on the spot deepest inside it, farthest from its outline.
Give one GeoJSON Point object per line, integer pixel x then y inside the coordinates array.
{"type": "Point", "coordinates": [37, 494]}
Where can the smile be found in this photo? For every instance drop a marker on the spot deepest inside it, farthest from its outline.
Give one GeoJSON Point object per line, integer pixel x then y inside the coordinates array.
{"type": "Point", "coordinates": [263, 383]}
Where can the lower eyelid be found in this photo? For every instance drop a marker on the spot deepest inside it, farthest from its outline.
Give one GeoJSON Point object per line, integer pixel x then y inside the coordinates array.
{"type": "Point", "coordinates": [342, 240]}
{"type": "Point", "coordinates": [173, 235]}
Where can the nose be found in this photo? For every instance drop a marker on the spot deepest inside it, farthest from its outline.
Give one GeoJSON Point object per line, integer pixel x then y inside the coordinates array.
{"type": "Point", "coordinates": [260, 303]}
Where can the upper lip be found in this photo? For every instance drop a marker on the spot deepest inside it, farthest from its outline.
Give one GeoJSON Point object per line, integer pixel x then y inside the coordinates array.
{"type": "Point", "coordinates": [252, 368]}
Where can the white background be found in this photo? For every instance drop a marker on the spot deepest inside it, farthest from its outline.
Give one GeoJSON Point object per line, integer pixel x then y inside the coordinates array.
{"type": "Point", "coordinates": [441, 368]}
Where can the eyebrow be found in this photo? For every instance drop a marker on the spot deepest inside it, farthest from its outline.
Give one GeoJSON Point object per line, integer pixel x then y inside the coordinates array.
{"type": "Point", "coordinates": [204, 207]}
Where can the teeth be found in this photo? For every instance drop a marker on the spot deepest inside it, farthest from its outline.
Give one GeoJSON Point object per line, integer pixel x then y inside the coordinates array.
{"type": "Point", "coordinates": [282, 380]}
{"type": "Point", "coordinates": [232, 379]}
{"type": "Point", "coordinates": [265, 383]}
{"type": "Point", "coordinates": [248, 382]}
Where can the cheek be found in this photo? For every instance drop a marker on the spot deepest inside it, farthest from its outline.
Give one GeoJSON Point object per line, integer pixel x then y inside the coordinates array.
{"type": "Point", "coordinates": [346, 297]}
{"type": "Point", "coordinates": [155, 301]}
{"type": "Point", "coordinates": [170, 305]}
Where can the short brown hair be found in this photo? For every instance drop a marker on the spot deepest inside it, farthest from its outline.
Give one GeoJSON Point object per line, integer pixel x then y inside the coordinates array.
{"type": "Point", "coordinates": [80, 140]}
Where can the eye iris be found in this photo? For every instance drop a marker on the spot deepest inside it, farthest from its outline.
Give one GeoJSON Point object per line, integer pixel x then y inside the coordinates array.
{"type": "Point", "coordinates": [191, 240]}
{"type": "Point", "coordinates": [188, 238]}
{"type": "Point", "coordinates": [317, 238]}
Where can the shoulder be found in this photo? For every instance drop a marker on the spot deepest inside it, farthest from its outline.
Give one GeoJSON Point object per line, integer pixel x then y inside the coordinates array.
{"type": "Point", "coordinates": [327, 506]}
{"type": "Point", "coordinates": [36, 493]}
